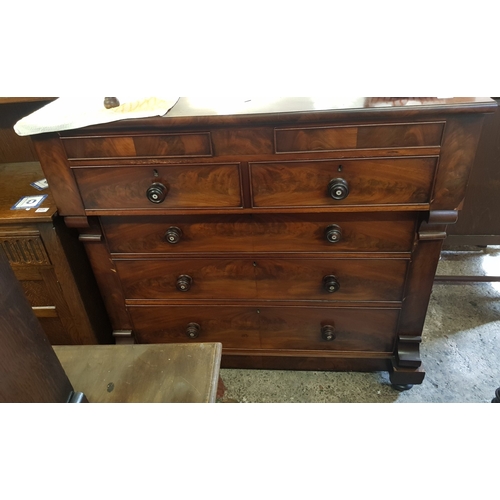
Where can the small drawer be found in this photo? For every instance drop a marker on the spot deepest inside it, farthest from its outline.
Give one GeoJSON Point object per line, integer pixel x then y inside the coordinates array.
{"type": "Point", "coordinates": [262, 327]}
{"type": "Point", "coordinates": [398, 135]}
{"type": "Point", "coordinates": [139, 146]}
{"type": "Point", "coordinates": [269, 279]}
{"type": "Point", "coordinates": [260, 233]}
{"type": "Point", "coordinates": [331, 183]}
{"type": "Point", "coordinates": [172, 186]}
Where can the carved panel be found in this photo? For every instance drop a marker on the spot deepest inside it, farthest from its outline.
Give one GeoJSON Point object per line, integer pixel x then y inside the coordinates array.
{"type": "Point", "coordinates": [22, 250]}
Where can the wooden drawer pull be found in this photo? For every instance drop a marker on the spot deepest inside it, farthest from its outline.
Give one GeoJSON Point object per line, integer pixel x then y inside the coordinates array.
{"type": "Point", "coordinates": [331, 283]}
{"type": "Point", "coordinates": [173, 235]}
{"type": "Point", "coordinates": [193, 330]}
{"type": "Point", "coordinates": [184, 283]}
{"type": "Point", "coordinates": [157, 192]}
{"type": "Point", "coordinates": [333, 233]}
{"type": "Point", "coordinates": [328, 332]}
{"type": "Point", "coordinates": [338, 189]}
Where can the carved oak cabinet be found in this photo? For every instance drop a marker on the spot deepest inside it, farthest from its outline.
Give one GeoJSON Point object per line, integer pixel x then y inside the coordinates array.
{"type": "Point", "coordinates": [298, 237]}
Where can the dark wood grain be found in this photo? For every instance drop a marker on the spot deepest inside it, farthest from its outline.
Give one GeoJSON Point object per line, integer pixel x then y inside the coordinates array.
{"type": "Point", "coordinates": [167, 145]}
{"type": "Point", "coordinates": [459, 150]}
{"type": "Point", "coordinates": [376, 136]}
{"type": "Point", "coordinates": [265, 327]}
{"type": "Point", "coordinates": [259, 233]}
{"type": "Point", "coordinates": [248, 224]}
{"type": "Point", "coordinates": [264, 278]}
{"type": "Point", "coordinates": [54, 163]}
{"type": "Point", "coordinates": [194, 187]}
{"type": "Point", "coordinates": [375, 181]}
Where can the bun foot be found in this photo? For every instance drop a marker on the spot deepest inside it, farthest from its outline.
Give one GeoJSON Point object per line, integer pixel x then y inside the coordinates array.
{"type": "Point", "coordinates": [402, 387]}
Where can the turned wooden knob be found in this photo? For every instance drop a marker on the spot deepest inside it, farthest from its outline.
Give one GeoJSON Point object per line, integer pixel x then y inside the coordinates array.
{"type": "Point", "coordinates": [183, 283]}
{"type": "Point", "coordinates": [157, 192]}
{"type": "Point", "coordinates": [331, 283]}
{"type": "Point", "coordinates": [193, 330]}
{"type": "Point", "coordinates": [333, 233]}
{"type": "Point", "coordinates": [338, 189]}
{"type": "Point", "coordinates": [173, 235]}
{"type": "Point", "coordinates": [328, 332]}
{"type": "Point", "coordinates": [111, 102]}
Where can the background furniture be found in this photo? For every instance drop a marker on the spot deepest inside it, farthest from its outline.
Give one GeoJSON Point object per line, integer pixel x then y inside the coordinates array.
{"type": "Point", "coordinates": [32, 371]}
{"type": "Point", "coordinates": [49, 262]}
{"type": "Point", "coordinates": [298, 237]}
{"type": "Point", "coordinates": [29, 369]}
{"type": "Point", "coordinates": [479, 222]}
{"type": "Point", "coordinates": [165, 373]}
{"type": "Point", "coordinates": [14, 148]}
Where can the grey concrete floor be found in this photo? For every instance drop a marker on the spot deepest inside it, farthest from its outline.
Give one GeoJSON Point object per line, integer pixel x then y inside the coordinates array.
{"type": "Point", "coordinates": [460, 351]}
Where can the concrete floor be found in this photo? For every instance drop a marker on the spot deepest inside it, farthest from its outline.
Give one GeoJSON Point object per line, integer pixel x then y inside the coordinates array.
{"type": "Point", "coordinates": [460, 351]}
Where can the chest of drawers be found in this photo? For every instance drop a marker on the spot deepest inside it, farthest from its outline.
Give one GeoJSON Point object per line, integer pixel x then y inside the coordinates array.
{"type": "Point", "coordinates": [298, 238]}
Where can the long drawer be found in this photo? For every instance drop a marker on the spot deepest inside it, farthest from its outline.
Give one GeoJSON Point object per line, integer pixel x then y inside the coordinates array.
{"type": "Point", "coordinates": [311, 328]}
{"type": "Point", "coordinates": [260, 233]}
{"type": "Point", "coordinates": [264, 278]}
{"type": "Point", "coordinates": [172, 186]}
{"type": "Point", "coordinates": [330, 183]}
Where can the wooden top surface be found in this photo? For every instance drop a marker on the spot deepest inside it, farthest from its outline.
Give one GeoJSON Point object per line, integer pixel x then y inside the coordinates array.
{"type": "Point", "coordinates": [145, 373]}
{"type": "Point", "coordinates": [15, 180]}
{"type": "Point", "coordinates": [197, 112]}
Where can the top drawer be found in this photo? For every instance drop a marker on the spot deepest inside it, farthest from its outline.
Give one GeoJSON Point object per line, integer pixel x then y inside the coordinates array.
{"type": "Point", "coordinates": [399, 135]}
{"type": "Point", "coordinates": [139, 146]}
{"type": "Point", "coordinates": [166, 186]}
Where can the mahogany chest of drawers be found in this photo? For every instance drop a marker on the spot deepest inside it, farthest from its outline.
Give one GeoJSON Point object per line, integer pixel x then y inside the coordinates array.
{"type": "Point", "coordinates": [299, 238]}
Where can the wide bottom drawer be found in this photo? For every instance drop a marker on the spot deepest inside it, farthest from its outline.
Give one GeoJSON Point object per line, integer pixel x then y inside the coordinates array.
{"type": "Point", "coordinates": [311, 328]}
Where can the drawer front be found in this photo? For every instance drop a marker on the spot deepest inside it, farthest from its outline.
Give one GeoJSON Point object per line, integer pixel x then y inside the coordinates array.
{"type": "Point", "coordinates": [269, 279]}
{"type": "Point", "coordinates": [308, 139]}
{"type": "Point", "coordinates": [351, 329]}
{"type": "Point", "coordinates": [353, 182]}
{"type": "Point", "coordinates": [139, 146]}
{"type": "Point", "coordinates": [193, 186]}
{"type": "Point", "coordinates": [256, 233]}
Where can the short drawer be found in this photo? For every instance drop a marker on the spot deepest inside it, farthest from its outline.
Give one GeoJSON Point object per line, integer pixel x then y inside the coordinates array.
{"type": "Point", "coordinates": [264, 278]}
{"type": "Point", "coordinates": [311, 328]}
{"type": "Point", "coordinates": [172, 186]}
{"type": "Point", "coordinates": [260, 233]}
{"type": "Point", "coordinates": [309, 139]}
{"type": "Point", "coordinates": [331, 183]}
{"type": "Point", "coordinates": [139, 146]}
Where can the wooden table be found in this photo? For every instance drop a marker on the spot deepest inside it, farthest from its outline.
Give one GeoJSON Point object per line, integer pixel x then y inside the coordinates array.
{"type": "Point", "coordinates": [152, 373]}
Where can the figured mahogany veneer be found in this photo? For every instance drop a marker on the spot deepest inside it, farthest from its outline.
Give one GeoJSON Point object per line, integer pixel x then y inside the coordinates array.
{"type": "Point", "coordinates": [264, 278]}
{"type": "Point", "coordinates": [253, 233]}
{"type": "Point", "coordinates": [298, 237]}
